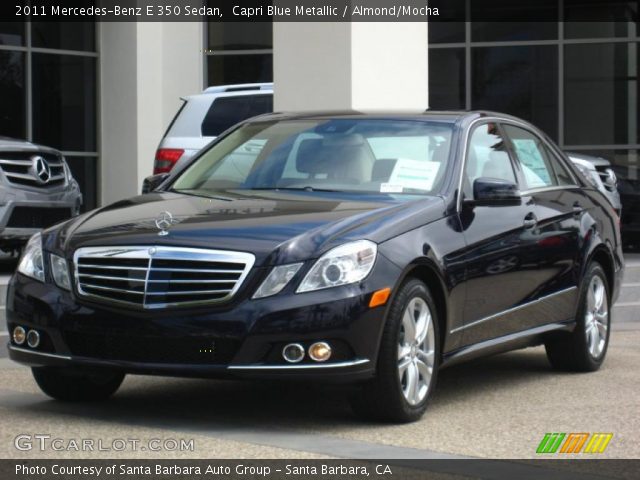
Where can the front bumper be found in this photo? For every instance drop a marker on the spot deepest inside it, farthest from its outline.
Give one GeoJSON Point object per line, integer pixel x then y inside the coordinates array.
{"type": "Point", "coordinates": [244, 339]}
{"type": "Point", "coordinates": [64, 199]}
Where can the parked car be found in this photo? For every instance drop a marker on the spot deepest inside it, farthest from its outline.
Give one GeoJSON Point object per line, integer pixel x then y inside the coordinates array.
{"type": "Point", "coordinates": [37, 190]}
{"type": "Point", "coordinates": [629, 188]}
{"type": "Point", "coordinates": [203, 117]}
{"type": "Point", "coordinates": [599, 173]}
{"type": "Point", "coordinates": [370, 249]}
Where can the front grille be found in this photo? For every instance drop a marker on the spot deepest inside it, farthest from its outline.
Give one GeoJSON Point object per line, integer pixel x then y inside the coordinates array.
{"type": "Point", "coordinates": [37, 217]}
{"type": "Point", "coordinates": [151, 349]}
{"type": "Point", "coordinates": [19, 168]}
{"type": "Point", "coordinates": [606, 174]}
{"type": "Point", "coordinates": [158, 277]}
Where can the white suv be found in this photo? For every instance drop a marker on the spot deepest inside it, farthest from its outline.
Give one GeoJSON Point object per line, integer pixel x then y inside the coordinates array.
{"type": "Point", "coordinates": [206, 115]}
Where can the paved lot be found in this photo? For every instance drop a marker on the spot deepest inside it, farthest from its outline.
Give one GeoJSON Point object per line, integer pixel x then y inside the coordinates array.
{"type": "Point", "coordinates": [498, 407]}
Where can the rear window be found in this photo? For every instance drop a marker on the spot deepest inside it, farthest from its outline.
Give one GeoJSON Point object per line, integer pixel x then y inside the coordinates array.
{"type": "Point", "coordinates": [227, 111]}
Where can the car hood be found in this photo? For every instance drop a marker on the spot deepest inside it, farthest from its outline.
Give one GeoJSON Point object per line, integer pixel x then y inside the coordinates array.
{"type": "Point", "coordinates": [8, 143]}
{"type": "Point", "coordinates": [277, 227]}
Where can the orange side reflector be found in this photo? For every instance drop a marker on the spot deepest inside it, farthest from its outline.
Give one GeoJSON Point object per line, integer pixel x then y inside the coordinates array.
{"type": "Point", "coordinates": [380, 297]}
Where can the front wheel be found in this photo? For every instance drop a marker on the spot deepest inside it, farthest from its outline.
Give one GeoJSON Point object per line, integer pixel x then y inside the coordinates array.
{"type": "Point", "coordinates": [408, 359]}
{"type": "Point", "coordinates": [72, 385]}
{"type": "Point", "coordinates": [584, 349]}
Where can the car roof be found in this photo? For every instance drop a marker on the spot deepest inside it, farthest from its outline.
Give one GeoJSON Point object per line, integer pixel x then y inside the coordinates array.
{"type": "Point", "coordinates": [237, 90]}
{"type": "Point", "coordinates": [452, 116]}
{"type": "Point", "coordinates": [240, 87]}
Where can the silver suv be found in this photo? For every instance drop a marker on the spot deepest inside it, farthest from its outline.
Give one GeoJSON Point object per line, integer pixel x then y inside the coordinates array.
{"type": "Point", "coordinates": [599, 173]}
{"type": "Point", "coordinates": [206, 115]}
{"type": "Point", "coordinates": [36, 191]}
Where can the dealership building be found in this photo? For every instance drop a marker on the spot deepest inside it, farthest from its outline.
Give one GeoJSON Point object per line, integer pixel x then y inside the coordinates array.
{"type": "Point", "coordinates": [104, 93]}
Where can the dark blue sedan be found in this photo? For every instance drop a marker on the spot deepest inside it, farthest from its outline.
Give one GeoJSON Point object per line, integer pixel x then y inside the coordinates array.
{"type": "Point", "coordinates": [369, 249]}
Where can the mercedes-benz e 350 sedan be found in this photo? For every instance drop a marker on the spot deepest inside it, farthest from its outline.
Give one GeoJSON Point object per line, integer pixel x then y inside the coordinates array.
{"type": "Point", "coordinates": [369, 249]}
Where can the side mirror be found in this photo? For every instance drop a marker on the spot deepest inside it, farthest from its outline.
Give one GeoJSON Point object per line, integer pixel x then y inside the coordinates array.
{"type": "Point", "coordinates": [494, 191]}
{"type": "Point", "coordinates": [149, 184]}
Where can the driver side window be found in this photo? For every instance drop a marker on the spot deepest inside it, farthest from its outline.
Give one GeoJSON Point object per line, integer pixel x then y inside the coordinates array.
{"type": "Point", "coordinates": [487, 157]}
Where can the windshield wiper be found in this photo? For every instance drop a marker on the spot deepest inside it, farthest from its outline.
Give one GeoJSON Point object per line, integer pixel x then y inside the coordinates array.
{"type": "Point", "coordinates": [200, 193]}
{"type": "Point", "coordinates": [297, 189]}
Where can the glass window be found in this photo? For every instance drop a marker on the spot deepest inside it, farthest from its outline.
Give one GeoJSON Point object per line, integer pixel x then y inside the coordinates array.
{"type": "Point", "coordinates": [538, 164]}
{"type": "Point", "coordinates": [11, 33]}
{"type": "Point", "coordinates": [62, 96]}
{"type": "Point", "coordinates": [64, 35]}
{"type": "Point", "coordinates": [562, 174]}
{"type": "Point", "coordinates": [227, 111]}
{"type": "Point", "coordinates": [521, 81]}
{"type": "Point", "coordinates": [84, 170]}
{"type": "Point", "coordinates": [230, 69]}
{"type": "Point", "coordinates": [487, 157]}
{"type": "Point", "coordinates": [374, 156]}
{"type": "Point", "coordinates": [12, 95]}
{"type": "Point", "coordinates": [447, 78]}
{"type": "Point", "coordinates": [600, 18]}
{"type": "Point", "coordinates": [240, 35]}
{"type": "Point", "coordinates": [601, 94]}
{"type": "Point", "coordinates": [450, 27]}
{"type": "Point", "coordinates": [64, 101]}
{"type": "Point", "coordinates": [514, 20]}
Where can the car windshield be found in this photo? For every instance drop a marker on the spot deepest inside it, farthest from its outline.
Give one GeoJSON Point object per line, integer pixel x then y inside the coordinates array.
{"type": "Point", "coordinates": [344, 155]}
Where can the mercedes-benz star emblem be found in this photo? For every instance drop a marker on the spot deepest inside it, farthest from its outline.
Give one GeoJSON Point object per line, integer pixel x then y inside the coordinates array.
{"type": "Point", "coordinates": [164, 222]}
{"type": "Point", "coordinates": [40, 169]}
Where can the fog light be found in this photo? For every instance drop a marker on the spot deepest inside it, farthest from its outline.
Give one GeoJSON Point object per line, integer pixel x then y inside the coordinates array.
{"type": "Point", "coordinates": [320, 351]}
{"type": "Point", "coordinates": [293, 353]}
{"type": "Point", "coordinates": [33, 339]}
{"type": "Point", "coordinates": [19, 335]}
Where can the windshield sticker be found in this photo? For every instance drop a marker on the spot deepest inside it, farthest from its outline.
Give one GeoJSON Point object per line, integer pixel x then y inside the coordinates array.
{"type": "Point", "coordinates": [530, 156]}
{"type": "Point", "coordinates": [390, 188]}
{"type": "Point", "coordinates": [414, 174]}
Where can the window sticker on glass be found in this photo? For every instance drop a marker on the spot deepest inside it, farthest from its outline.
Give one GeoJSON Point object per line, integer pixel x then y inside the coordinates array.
{"type": "Point", "coordinates": [390, 188]}
{"type": "Point", "coordinates": [414, 174]}
{"type": "Point", "coordinates": [533, 180]}
{"type": "Point", "coordinates": [530, 157]}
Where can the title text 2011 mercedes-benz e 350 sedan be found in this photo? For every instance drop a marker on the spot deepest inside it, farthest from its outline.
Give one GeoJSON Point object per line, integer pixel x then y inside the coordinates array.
{"type": "Point", "coordinates": [361, 248]}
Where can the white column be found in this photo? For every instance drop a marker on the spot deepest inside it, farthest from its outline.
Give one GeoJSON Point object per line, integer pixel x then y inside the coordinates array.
{"type": "Point", "coordinates": [145, 67]}
{"type": "Point", "coordinates": [350, 66]}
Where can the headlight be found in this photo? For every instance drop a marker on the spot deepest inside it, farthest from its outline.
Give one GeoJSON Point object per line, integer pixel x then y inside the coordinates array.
{"type": "Point", "coordinates": [348, 263]}
{"type": "Point", "coordinates": [590, 175]}
{"type": "Point", "coordinates": [31, 263]}
{"type": "Point", "coordinates": [60, 272]}
{"type": "Point", "coordinates": [67, 170]}
{"type": "Point", "coordinates": [277, 280]}
{"type": "Point", "coordinates": [610, 179]}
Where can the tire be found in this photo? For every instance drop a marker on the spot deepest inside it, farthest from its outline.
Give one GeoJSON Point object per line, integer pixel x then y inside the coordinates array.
{"type": "Point", "coordinates": [584, 349]}
{"type": "Point", "coordinates": [71, 385]}
{"type": "Point", "coordinates": [389, 396]}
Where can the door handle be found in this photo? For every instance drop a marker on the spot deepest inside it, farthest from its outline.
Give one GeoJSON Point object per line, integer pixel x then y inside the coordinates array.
{"type": "Point", "coordinates": [530, 220]}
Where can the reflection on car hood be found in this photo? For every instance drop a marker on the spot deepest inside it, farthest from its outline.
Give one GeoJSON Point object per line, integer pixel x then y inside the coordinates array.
{"type": "Point", "coordinates": [277, 227]}
{"type": "Point", "coordinates": [8, 143]}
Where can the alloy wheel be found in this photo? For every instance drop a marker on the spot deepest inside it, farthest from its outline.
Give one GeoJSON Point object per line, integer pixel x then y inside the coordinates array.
{"type": "Point", "coordinates": [596, 317]}
{"type": "Point", "coordinates": [416, 351]}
